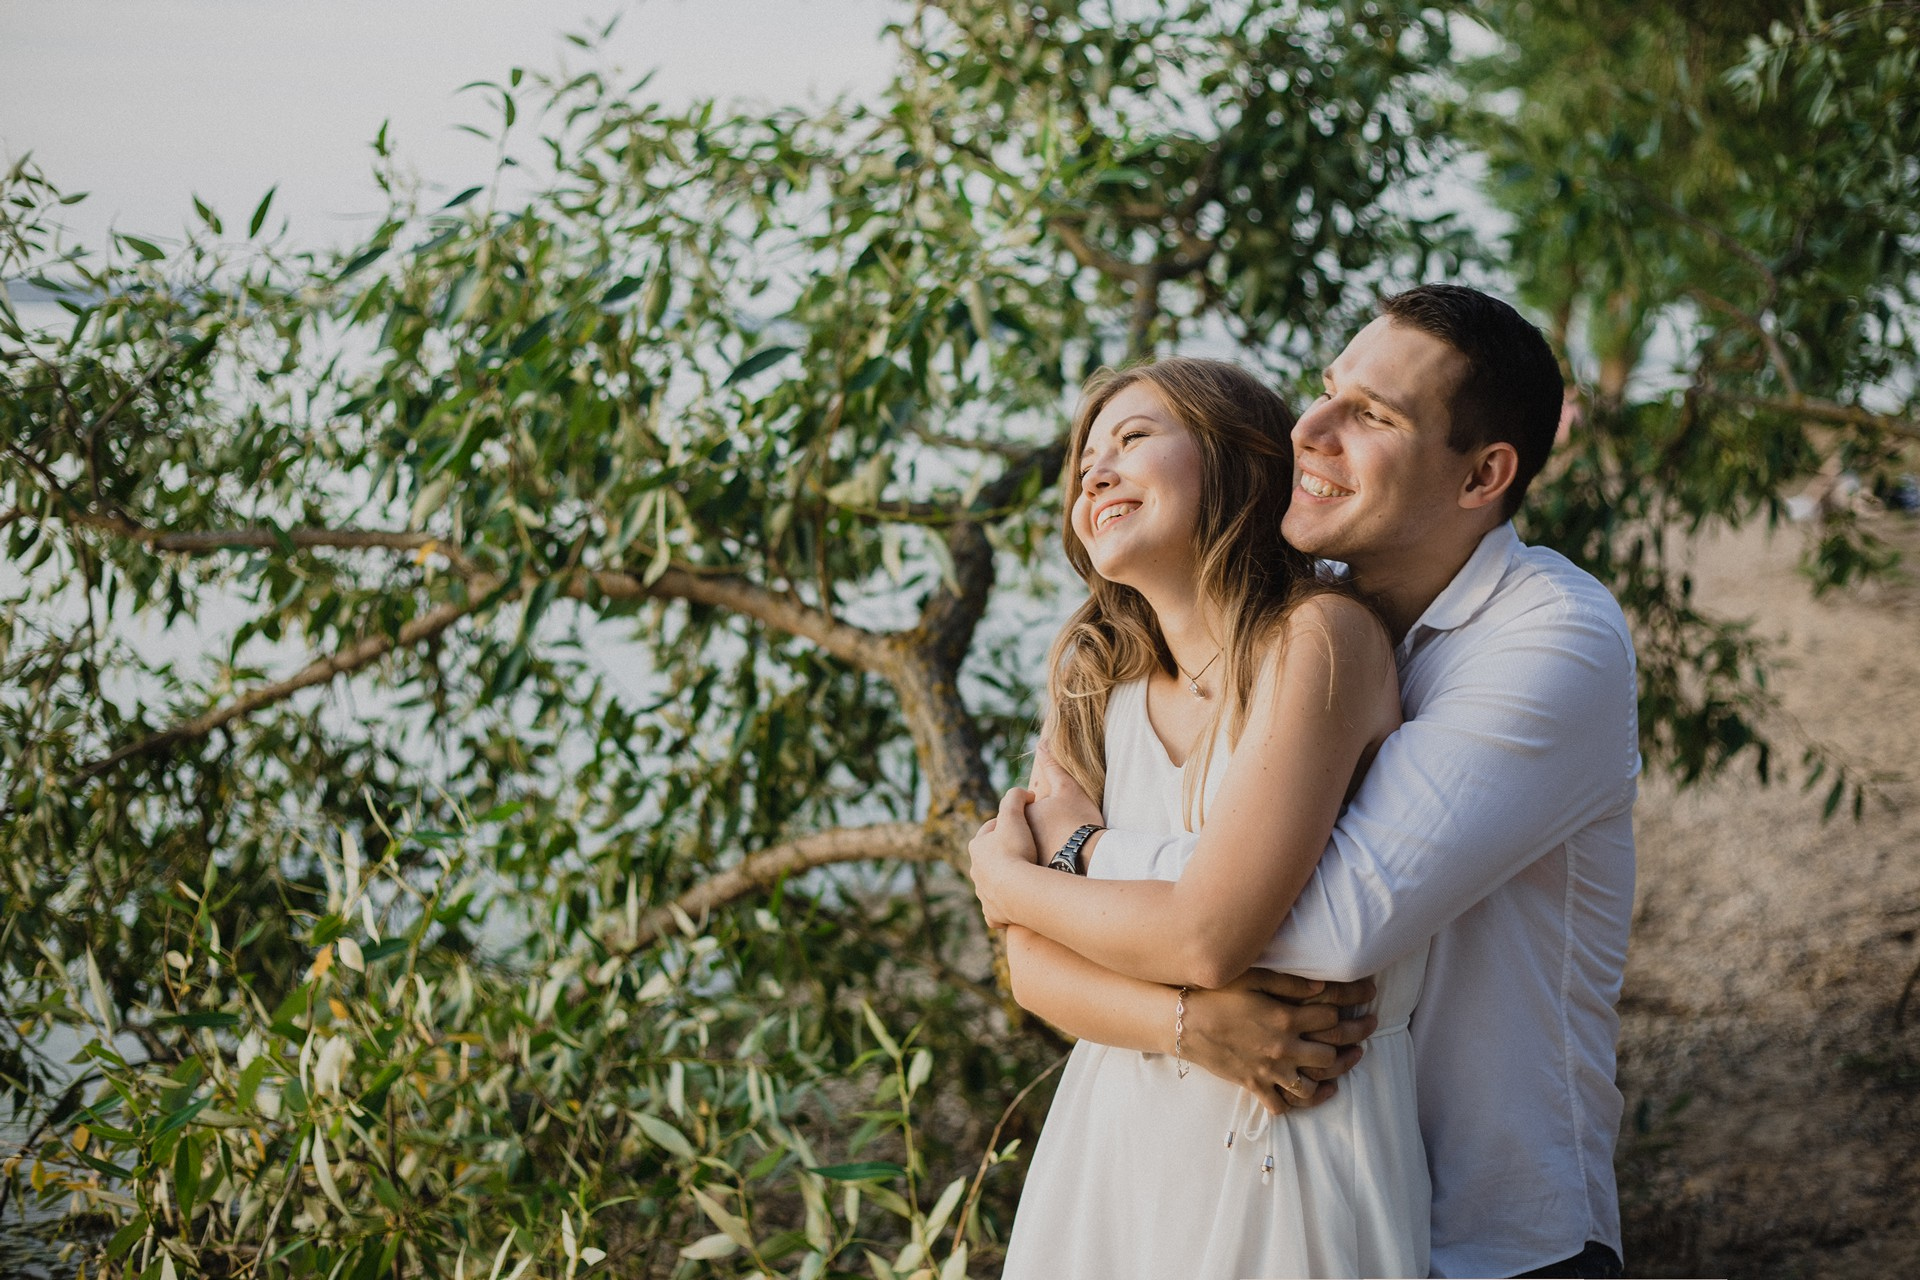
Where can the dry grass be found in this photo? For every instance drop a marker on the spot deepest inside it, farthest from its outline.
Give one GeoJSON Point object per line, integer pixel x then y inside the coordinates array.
{"type": "Point", "coordinates": [1773, 1103]}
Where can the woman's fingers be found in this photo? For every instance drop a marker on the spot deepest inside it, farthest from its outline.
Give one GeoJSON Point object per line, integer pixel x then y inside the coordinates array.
{"type": "Point", "coordinates": [1050, 773]}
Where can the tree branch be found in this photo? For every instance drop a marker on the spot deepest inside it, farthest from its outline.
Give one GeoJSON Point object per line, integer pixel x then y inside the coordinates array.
{"type": "Point", "coordinates": [203, 541]}
{"type": "Point", "coordinates": [942, 440]}
{"type": "Point", "coordinates": [1823, 411]}
{"type": "Point", "coordinates": [1091, 255]}
{"type": "Point", "coordinates": [1776, 354]}
{"type": "Point", "coordinates": [862, 648]}
{"type": "Point", "coordinates": [888, 841]}
{"type": "Point", "coordinates": [698, 583]}
{"type": "Point", "coordinates": [320, 671]}
{"type": "Point", "coordinates": [926, 661]}
{"type": "Point", "coordinates": [950, 616]}
{"type": "Point", "coordinates": [1720, 237]}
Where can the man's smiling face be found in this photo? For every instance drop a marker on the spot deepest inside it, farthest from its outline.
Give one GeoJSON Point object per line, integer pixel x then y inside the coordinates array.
{"type": "Point", "coordinates": [1374, 477]}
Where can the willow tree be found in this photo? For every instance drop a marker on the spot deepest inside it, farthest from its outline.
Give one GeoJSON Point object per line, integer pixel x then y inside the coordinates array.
{"type": "Point", "coordinates": [1717, 210]}
{"type": "Point", "coordinates": [632, 540]}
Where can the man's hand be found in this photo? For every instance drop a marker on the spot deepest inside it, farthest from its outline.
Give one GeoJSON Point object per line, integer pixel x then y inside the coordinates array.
{"type": "Point", "coordinates": [999, 851]}
{"type": "Point", "coordinates": [1060, 807]}
{"type": "Point", "coordinates": [1281, 1037]}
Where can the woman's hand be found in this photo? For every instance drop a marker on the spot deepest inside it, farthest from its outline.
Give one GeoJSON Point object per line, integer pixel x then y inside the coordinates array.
{"type": "Point", "coordinates": [1000, 852]}
{"type": "Point", "coordinates": [1279, 1036]}
{"type": "Point", "coordinates": [1059, 807]}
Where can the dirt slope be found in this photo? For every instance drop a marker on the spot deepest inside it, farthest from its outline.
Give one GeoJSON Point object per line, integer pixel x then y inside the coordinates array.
{"type": "Point", "coordinates": [1773, 1105]}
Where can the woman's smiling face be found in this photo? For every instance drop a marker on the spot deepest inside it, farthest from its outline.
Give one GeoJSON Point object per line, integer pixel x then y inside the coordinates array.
{"type": "Point", "coordinates": [1138, 503]}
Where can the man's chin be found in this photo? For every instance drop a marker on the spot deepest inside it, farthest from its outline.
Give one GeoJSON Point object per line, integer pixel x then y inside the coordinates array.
{"type": "Point", "coordinates": [1316, 540]}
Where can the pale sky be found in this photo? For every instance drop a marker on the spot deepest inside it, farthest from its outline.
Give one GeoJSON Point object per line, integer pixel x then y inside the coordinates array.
{"type": "Point", "coordinates": [146, 103]}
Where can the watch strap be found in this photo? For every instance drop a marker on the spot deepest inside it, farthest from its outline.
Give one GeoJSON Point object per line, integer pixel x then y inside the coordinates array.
{"type": "Point", "coordinates": [1067, 859]}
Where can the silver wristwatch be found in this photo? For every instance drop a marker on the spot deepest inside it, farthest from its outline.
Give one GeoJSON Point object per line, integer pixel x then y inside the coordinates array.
{"type": "Point", "coordinates": [1068, 858]}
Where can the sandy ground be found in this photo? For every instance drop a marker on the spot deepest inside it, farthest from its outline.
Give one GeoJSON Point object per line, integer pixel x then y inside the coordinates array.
{"type": "Point", "coordinates": [1773, 1102]}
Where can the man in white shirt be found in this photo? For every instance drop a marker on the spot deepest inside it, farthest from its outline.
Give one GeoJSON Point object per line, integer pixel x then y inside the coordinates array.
{"type": "Point", "coordinates": [1496, 821]}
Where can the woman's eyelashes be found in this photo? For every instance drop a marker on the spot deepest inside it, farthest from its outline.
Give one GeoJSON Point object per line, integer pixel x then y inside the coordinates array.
{"type": "Point", "coordinates": [1125, 439]}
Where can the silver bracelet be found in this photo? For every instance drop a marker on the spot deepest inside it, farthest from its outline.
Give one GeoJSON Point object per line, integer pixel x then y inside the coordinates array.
{"type": "Point", "coordinates": [1180, 1033]}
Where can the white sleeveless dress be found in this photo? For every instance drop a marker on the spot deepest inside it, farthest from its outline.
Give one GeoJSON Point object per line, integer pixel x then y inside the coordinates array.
{"type": "Point", "coordinates": [1134, 1177]}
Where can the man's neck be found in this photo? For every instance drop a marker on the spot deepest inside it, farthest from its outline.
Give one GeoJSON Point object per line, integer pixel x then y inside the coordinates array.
{"type": "Point", "coordinates": [1401, 587]}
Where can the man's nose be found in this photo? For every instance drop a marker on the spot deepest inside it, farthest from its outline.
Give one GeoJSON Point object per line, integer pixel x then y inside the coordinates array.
{"type": "Point", "coordinates": [1314, 428]}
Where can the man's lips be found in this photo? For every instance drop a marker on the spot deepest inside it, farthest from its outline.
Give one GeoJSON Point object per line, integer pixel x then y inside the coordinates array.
{"type": "Point", "coordinates": [1319, 487]}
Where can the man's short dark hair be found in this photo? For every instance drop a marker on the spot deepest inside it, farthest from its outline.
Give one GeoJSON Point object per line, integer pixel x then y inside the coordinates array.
{"type": "Point", "coordinates": [1512, 390]}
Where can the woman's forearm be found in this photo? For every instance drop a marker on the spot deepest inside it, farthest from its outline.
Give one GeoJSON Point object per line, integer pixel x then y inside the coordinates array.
{"type": "Point", "coordinates": [1069, 991]}
{"type": "Point", "coordinates": [1153, 931]}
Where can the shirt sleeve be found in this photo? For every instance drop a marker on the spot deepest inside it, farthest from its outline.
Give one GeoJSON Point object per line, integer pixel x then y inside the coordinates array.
{"type": "Point", "coordinates": [1528, 737]}
{"type": "Point", "coordinates": [1137, 855]}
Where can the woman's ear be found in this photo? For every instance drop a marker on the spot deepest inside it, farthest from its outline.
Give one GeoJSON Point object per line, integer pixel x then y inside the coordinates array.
{"type": "Point", "coordinates": [1494, 468]}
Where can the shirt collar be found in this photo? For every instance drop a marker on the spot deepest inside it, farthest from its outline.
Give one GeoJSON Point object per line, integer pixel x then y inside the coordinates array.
{"type": "Point", "coordinates": [1473, 586]}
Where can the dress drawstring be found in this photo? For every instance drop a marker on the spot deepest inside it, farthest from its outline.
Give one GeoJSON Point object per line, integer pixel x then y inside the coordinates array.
{"type": "Point", "coordinates": [1258, 1122]}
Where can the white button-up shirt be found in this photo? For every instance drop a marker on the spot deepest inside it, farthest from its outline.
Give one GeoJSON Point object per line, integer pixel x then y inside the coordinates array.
{"type": "Point", "coordinates": [1496, 821]}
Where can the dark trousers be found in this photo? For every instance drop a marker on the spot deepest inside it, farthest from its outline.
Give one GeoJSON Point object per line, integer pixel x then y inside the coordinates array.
{"type": "Point", "coordinates": [1595, 1262]}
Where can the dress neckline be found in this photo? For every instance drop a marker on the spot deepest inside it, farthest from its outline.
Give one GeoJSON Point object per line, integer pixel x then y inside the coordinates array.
{"type": "Point", "coordinates": [1160, 752]}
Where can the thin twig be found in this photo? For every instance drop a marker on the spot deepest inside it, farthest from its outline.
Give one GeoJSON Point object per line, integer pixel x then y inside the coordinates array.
{"type": "Point", "coordinates": [993, 1143]}
{"type": "Point", "coordinates": [1823, 411]}
{"type": "Point", "coordinates": [320, 671]}
{"type": "Point", "coordinates": [1776, 355]}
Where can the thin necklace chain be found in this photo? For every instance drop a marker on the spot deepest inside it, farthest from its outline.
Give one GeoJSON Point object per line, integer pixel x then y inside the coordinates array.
{"type": "Point", "coordinates": [1193, 680]}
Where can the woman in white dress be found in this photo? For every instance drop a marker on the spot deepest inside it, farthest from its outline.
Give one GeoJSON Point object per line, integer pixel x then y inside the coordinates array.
{"type": "Point", "coordinates": [1208, 679]}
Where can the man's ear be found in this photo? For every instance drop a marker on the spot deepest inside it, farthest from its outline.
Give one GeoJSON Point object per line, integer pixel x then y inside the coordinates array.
{"type": "Point", "coordinates": [1494, 468]}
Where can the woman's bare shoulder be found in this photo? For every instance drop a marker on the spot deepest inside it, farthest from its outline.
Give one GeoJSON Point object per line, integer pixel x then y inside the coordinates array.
{"type": "Point", "coordinates": [1346, 628]}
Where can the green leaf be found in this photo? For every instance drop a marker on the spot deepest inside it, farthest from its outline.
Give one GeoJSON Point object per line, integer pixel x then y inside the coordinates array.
{"type": "Point", "coordinates": [259, 218]}
{"type": "Point", "coordinates": [179, 1117]}
{"type": "Point", "coordinates": [624, 288]}
{"type": "Point", "coordinates": [765, 358]}
{"type": "Point", "coordinates": [384, 948]}
{"type": "Point", "coordinates": [460, 298]}
{"type": "Point", "coordinates": [659, 290]}
{"type": "Point", "coordinates": [148, 251]}
{"type": "Point", "coordinates": [197, 1020]}
{"type": "Point", "coordinates": [879, 1029]}
{"type": "Point", "coordinates": [186, 1175]}
{"type": "Point", "coordinates": [532, 334]}
{"type": "Point", "coordinates": [126, 1237]}
{"type": "Point", "coordinates": [463, 197]}
{"type": "Point", "coordinates": [862, 1171]}
{"type": "Point", "coordinates": [664, 1134]}
{"type": "Point", "coordinates": [250, 1077]}
{"type": "Point", "coordinates": [869, 373]}
{"type": "Point", "coordinates": [361, 261]}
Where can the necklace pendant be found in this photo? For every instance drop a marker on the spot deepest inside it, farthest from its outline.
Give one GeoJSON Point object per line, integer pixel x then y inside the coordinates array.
{"type": "Point", "coordinates": [1193, 687]}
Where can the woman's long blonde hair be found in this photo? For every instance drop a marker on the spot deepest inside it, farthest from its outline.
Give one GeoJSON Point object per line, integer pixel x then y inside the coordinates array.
{"type": "Point", "coordinates": [1247, 570]}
